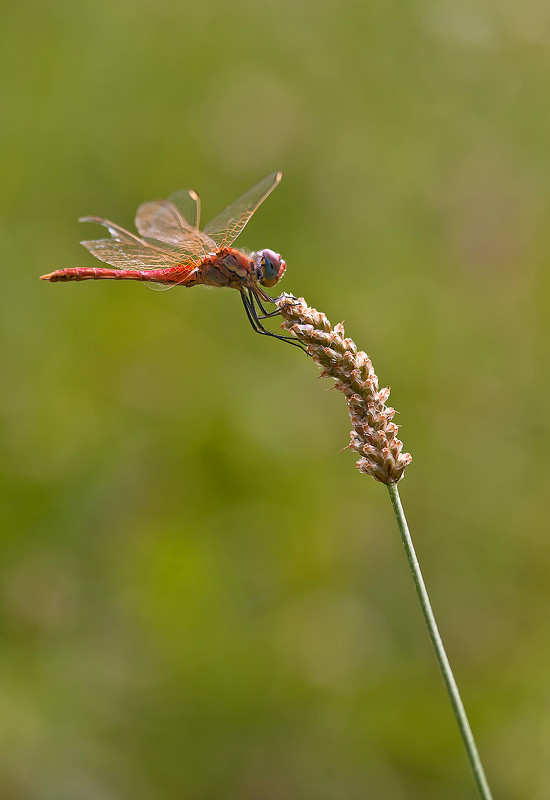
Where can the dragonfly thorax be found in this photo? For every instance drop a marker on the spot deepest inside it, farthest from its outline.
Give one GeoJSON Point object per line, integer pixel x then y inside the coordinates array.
{"type": "Point", "coordinates": [269, 266]}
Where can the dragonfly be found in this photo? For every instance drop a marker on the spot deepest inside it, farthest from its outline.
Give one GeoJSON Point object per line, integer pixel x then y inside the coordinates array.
{"type": "Point", "coordinates": [171, 250]}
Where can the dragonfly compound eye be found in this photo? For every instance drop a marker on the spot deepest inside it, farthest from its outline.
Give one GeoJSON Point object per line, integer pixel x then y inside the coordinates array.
{"type": "Point", "coordinates": [272, 268]}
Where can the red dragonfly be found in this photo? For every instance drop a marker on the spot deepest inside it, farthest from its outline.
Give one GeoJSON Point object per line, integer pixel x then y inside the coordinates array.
{"type": "Point", "coordinates": [171, 250]}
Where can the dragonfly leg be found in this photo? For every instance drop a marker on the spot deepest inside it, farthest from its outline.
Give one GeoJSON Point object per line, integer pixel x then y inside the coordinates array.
{"type": "Point", "coordinates": [257, 326]}
{"type": "Point", "coordinates": [261, 295]}
{"type": "Point", "coordinates": [271, 314]}
{"type": "Point", "coordinates": [253, 295]}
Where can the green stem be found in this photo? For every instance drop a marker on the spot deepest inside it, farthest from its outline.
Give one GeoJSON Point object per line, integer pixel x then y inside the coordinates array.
{"type": "Point", "coordinates": [441, 655]}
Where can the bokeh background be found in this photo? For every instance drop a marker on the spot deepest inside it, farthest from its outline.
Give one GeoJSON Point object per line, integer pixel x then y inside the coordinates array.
{"type": "Point", "coordinates": [200, 596]}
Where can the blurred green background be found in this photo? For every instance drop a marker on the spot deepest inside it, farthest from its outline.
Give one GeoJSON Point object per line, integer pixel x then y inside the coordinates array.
{"type": "Point", "coordinates": [200, 596]}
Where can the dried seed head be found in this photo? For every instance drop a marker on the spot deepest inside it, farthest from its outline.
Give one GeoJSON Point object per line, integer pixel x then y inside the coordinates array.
{"type": "Point", "coordinates": [374, 435]}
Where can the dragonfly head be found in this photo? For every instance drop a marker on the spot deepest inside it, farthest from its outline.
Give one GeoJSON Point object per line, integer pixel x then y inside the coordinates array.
{"type": "Point", "coordinates": [270, 267]}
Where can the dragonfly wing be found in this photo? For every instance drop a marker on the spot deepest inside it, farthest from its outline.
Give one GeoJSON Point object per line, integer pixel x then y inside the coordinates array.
{"type": "Point", "coordinates": [225, 228]}
{"type": "Point", "coordinates": [116, 231]}
{"type": "Point", "coordinates": [127, 251]}
{"type": "Point", "coordinates": [188, 204]}
{"type": "Point", "coordinates": [160, 221]}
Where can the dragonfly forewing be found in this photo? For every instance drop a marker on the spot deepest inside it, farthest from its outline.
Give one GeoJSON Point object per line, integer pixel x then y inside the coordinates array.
{"type": "Point", "coordinates": [225, 228]}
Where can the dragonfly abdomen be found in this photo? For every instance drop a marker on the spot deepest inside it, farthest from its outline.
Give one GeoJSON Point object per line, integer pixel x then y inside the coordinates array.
{"type": "Point", "coordinates": [170, 275]}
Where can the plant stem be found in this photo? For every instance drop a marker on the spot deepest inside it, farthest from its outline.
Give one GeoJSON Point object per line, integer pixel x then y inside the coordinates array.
{"type": "Point", "coordinates": [441, 655]}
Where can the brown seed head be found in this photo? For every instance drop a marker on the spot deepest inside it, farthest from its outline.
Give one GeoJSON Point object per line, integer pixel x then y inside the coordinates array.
{"type": "Point", "coordinates": [374, 435]}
